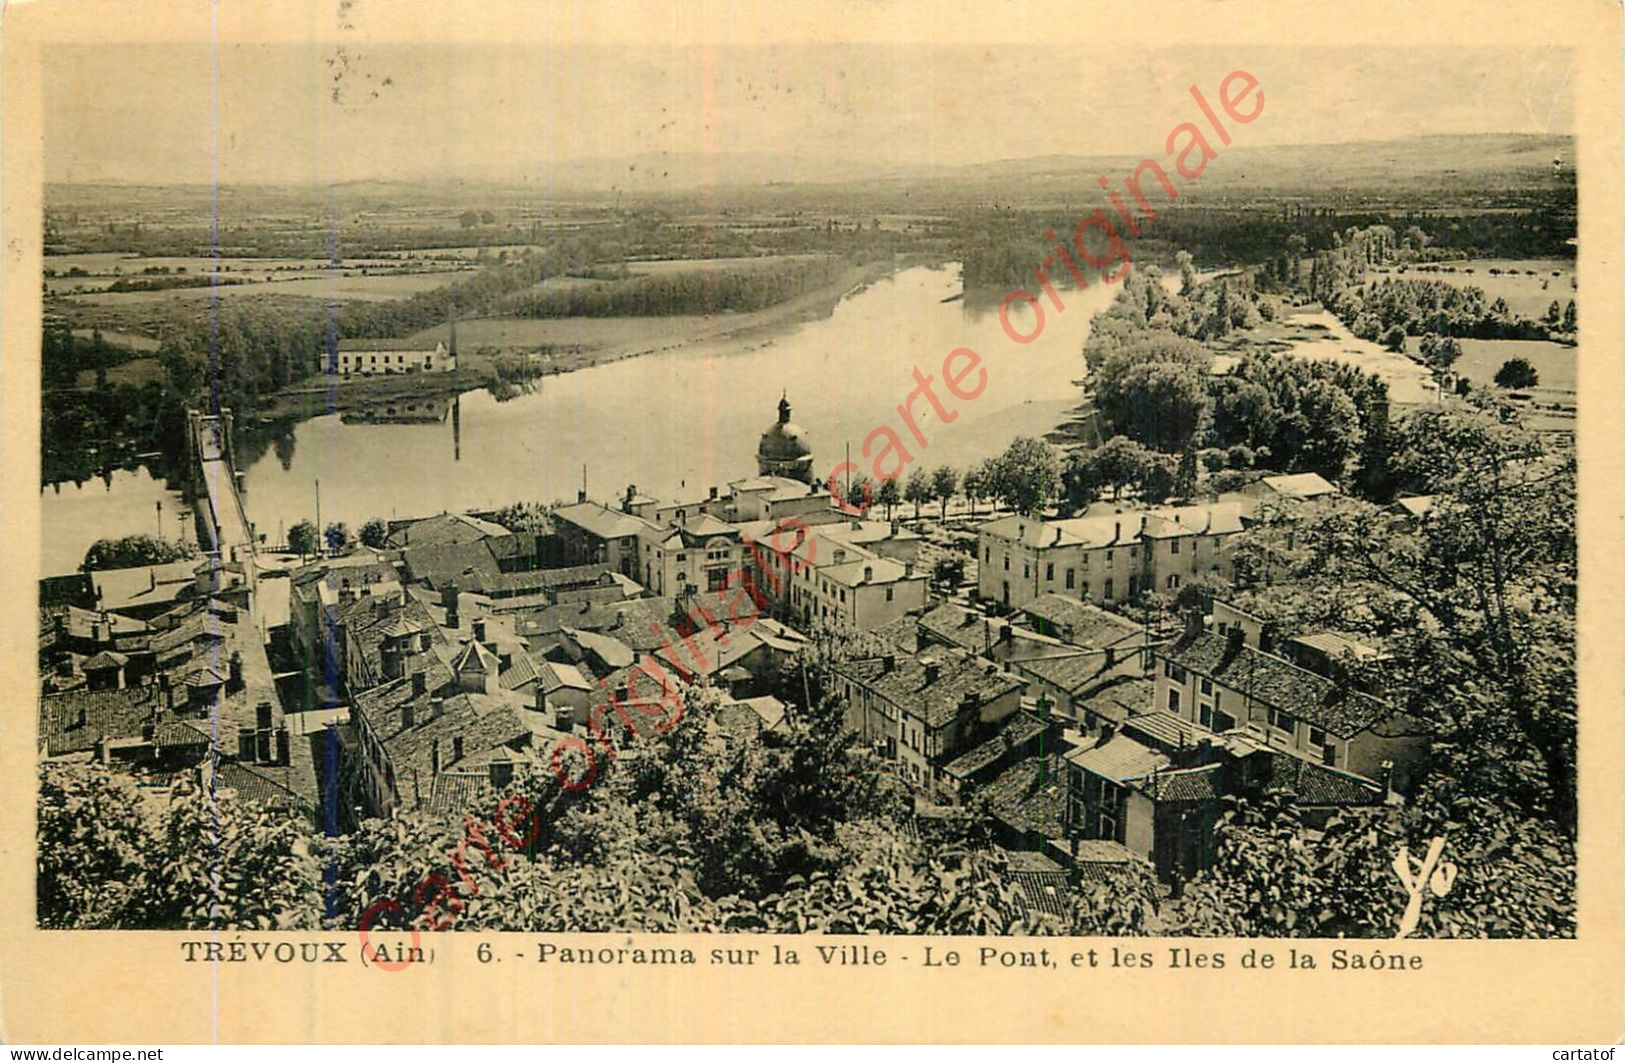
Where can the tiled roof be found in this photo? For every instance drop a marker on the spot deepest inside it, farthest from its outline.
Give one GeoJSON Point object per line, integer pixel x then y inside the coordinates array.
{"type": "Point", "coordinates": [907, 685]}
{"type": "Point", "coordinates": [1166, 729]}
{"type": "Point", "coordinates": [1316, 784]}
{"type": "Point", "coordinates": [108, 714]}
{"type": "Point", "coordinates": [1081, 623]}
{"type": "Point", "coordinates": [252, 784]}
{"type": "Point", "coordinates": [1102, 860]}
{"type": "Point", "coordinates": [1041, 883]}
{"type": "Point", "coordinates": [521, 670]}
{"type": "Point", "coordinates": [483, 721]}
{"type": "Point", "coordinates": [1122, 698]}
{"type": "Point", "coordinates": [1186, 784]}
{"type": "Point", "coordinates": [1300, 485]}
{"type": "Point", "coordinates": [601, 521]}
{"type": "Point", "coordinates": [474, 657]}
{"type": "Point", "coordinates": [104, 660]}
{"type": "Point", "coordinates": [447, 528]}
{"type": "Point", "coordinates": [1210, 518]}
{"type": "Point", "coordinates": [1015, 733]}
{"type": "Point", "coordinates": [557, 675]}
{"type": "Point", "coordinates": [613, 653]}
{"type": "Point", "coordinates": [1278, 683]}
{"type": "Point", "coordinates": [1029, 796]}
{"type": "Point", "coordinates": [1120, 759]}
{"type": "Point", "coordinates": [1031, 532]}
{"type": "Point", "coordinates": [959, 626]}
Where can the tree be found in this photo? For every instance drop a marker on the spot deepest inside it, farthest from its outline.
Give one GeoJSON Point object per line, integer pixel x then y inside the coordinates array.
{"type": "Point", "coordinates": [918, 489]}
{"type": "Point", "coordinates": [374, 534]}
{"type": "Point", "coordinates": [889, 495]}
{"type": "Point", "coordinates": [1571, 321]}
{"type": "Point", "coordinates": [1516, 373]}
{"type": "Point", "coordinates": [1187, 271]}
{"type": "Point", "coordinates": [949, 570]}
{"type": "Point", "coordinates": [337, 537]}
{"type": "Point", "coordinates": [135, 550]}
{"type": "Point", "coordinates": [1439, 353]}
{"type": "Point", "coordinates": [302, 538]}
{"type": "Point", "coordinates": [1027, 476]}
{"type": "Point", "coordinates": [1394, 339]}
{"type": "Point", "coordinates": [944, 481]}
{"type": "Point", "coordinates": [1155, 391]}
{"type": "Point", "coordinates": [93, 851]}
{"type": "Point", "coordinates": [1474, 605]}
{"type": "Point", "coordinates": [1554, 315]}
{"type": "Point", "coordinates": [1117, 463]}
{"type": "Point", "coordinates": [978, 482]}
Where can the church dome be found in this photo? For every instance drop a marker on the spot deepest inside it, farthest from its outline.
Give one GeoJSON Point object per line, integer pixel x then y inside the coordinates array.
{"type": "Point", "coordinates": [783, 450]}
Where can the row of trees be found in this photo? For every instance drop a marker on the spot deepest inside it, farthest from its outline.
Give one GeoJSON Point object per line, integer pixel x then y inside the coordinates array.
{"type": "Point", "coordinates": [737, 289]}
{"type": "Point", "coordinates": [1419, 307]}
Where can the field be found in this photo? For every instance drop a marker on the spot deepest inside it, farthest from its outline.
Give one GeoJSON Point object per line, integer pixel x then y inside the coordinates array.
{"type": "Point", "coordinates": [681, 265]}
{"type": "Point", "coordinates": [348, 285]}
{"type": "Point", "coordinates": [114, 338]}
{"type": "Point", "coordinates": [1556, 364]}
{"type": "Point", "coordinates": [1319, 334]}
{"type": "Point", "coordinates": [1528, 285]}
{"type": "Point", "coordinates": [135, 372]}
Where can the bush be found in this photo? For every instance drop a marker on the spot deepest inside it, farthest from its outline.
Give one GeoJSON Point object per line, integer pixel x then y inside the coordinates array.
{"type": "Point", "coordinates": [1516, 373]}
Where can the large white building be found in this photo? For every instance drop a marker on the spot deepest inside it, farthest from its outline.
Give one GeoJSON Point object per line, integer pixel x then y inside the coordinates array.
{"type": "Point", "coordinates": [368, 357]}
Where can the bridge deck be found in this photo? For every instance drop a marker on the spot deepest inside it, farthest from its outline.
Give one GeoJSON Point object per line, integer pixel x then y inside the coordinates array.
{"type": "Point", "coordinates": [225, 505]}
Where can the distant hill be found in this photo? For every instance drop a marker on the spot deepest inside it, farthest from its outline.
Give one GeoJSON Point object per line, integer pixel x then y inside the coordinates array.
{"type": "Point", "coordinates": [1446, 164]}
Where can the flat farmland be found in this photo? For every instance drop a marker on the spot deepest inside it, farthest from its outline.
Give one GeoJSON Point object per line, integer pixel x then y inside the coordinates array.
{"type": "Point", "coordinates": [1556, 364]}
{"type": "Point", "coordinates": [349, 285]}
{"type": "Point", "coordinates": [1528, 285]}
{"type": "Point", "coordinates": [700, 265]}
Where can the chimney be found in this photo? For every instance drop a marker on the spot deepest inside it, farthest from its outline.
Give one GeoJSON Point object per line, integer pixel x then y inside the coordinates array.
{"type": "Point", "coordinates": [713, 494]}
{"type": "Point", "coordinates": [409, 711]}
{"type": "Point", "coordinates": [95, 631]}
{"type": "Point", "coordinates": [1107, 729]}
{"type": "Point", "coordinates": [1057, 541]}
{"type": "Point", "coordinates": [888, 663]}
{"type": "Point", "coordinates": [840, 555]}
{"type": "Point", "coordinates": [581, 495]}
{"type": "Point", "coordinates": [896, 526]}
{"type": "Point", "coordinates": [1007, 632]}
{"type": "Point", "coordinates": [501, 773]}
{"type": "Point", "coordinates": [1111, 656]}
{"type": "Point", "coordinates": [479, 629]}
{"type": "Point", "coordinates": [933, 671]}
{"type": "Point", "coordinates": [1193, 621]}
{"type": "Point", "coordinates": [434, 757]}
{"type": "Point", "coordinates": [420, 684]}
{"type": "Point", "coordinates": [152, 579]}
{"type": "Point", "coordinates": [1117, 533]}
{"type": "Point", "coordinates": [1237, 637]}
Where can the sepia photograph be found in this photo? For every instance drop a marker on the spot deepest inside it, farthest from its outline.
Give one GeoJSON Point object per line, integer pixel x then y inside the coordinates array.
{"type": "Point", "coordinates": [617, 492]}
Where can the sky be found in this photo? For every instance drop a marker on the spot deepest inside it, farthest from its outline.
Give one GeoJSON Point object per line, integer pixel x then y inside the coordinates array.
{"type": "Point", "coordinates": [295, 114]}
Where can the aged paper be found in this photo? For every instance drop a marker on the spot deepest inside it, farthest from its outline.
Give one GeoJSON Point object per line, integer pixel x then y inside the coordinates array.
{"type": "Point", "coordinates": [870, 521]}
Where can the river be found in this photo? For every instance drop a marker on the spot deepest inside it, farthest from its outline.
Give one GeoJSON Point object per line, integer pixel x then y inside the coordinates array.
{"type": "Point", "coordinates": [673, 423]}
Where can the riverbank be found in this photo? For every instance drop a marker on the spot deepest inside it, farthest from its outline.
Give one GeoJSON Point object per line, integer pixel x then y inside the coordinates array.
{"type": "Point", "coordinates": [492, 348]}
